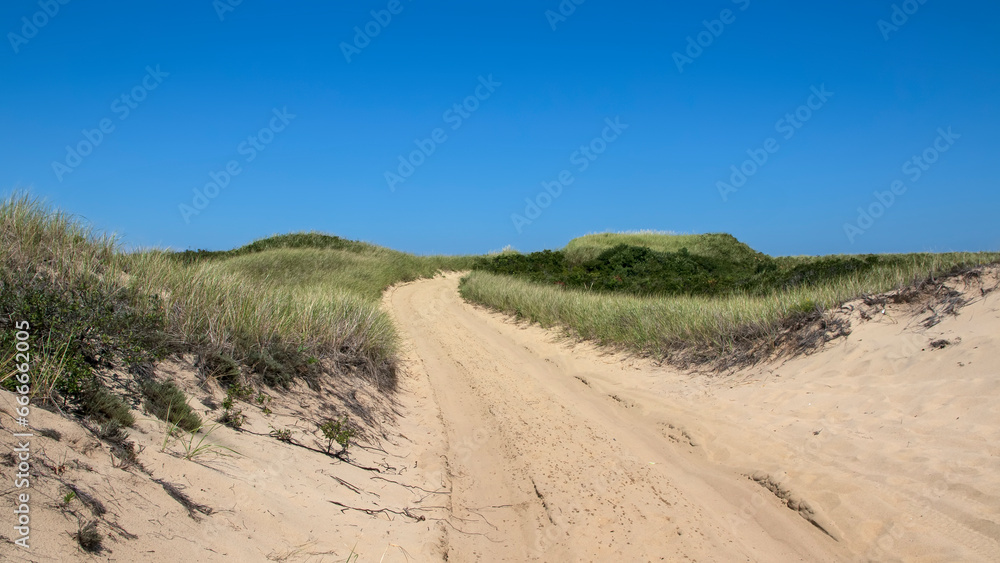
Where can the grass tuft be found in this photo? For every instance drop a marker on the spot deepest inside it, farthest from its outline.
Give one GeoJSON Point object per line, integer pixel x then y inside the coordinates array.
{"type": "Point", "coordinates": [89, 538]}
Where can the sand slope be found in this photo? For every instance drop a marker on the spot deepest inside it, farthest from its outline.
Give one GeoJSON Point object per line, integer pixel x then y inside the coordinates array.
{"type": "Point", "coordinates": [879, 447]}
{"type": "Point", "coordinates": [270, 501]}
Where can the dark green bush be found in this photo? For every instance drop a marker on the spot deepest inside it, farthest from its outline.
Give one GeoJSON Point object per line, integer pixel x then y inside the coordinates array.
{"type": "Point", "coordinates": [168, 403]}
{"type": "Point", "coordinates": [222, 367]}
{"type": "Point", "coordinates": [102, 406]}
{"type": "Point", "coordinates": [89, 323]}
{"type": "Point", "coordinates": [89, 538]}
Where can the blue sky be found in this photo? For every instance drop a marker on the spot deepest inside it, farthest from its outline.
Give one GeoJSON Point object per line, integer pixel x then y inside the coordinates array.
{"type": "Point", "coordinates": [696, 90]}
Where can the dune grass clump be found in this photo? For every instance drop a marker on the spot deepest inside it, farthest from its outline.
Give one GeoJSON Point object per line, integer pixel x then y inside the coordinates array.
{"type": "Point", "coordinates": [312, 240]}
{"type": "Point", "coordinates": [224, 312]}
{"type": "Point", "coordinates": [365, 271]}
{"type": "Point", "coordinates": [89, 539]}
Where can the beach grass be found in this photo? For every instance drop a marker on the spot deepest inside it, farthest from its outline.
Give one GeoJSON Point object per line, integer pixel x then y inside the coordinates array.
{"type": "Point", "coordinates": [285, 306]}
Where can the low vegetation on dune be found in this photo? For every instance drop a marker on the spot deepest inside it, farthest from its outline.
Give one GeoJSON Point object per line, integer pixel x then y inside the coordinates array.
{"type": "Point", "coordinates": [307, 305]}
{"type": "Point", "coordinates": [362, 270]}
{"type": "Point", "coordinates": [289, 307]}
{"type": "Point", "coordinates": [691, 297]}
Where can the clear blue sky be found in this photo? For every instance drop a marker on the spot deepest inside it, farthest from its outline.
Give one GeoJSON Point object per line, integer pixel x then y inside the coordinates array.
{"type": "Point", "coordinates": [221, 80]}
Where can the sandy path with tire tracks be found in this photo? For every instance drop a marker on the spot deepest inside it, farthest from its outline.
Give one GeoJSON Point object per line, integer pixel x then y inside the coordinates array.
{"type": "Point", "coordinates": [545, 466]}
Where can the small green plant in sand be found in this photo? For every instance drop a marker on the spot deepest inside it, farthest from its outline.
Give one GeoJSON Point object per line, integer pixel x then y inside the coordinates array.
{"type": "Point", "coordinates": [264, 400]}
{"type": "Point", "coordinates": [337, 431]}
{"type": "Point", "coordinates": [232, 416]}
{"type": "Point", "coordinates": [193, 443]}
{"type": "Point", "coordinates": [283, 435]}
{"type": "Point", "coordinates": [194, 450]}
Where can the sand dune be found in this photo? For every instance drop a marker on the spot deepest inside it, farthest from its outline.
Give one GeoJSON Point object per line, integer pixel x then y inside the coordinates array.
{"type": "Point", "coordinates": [509, 443]}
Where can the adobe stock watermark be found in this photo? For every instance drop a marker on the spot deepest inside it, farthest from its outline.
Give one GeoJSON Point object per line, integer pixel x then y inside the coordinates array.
{"type": "Point", "coordinates": [223, 7]}
{"type": "Point", "coordinates": [249, 149]}
{"type": "Point", "coordinates": [583, 157]}
{"type": "Point", "coordinates": [913, 169]}
{"type": "Point", "coordinates": [30, 26]}
{"type": "Point", "coordinates": [563, 11]}
{"type": "Point", "coordinates": [787, 126]}
{"type": "Point", "coordinates": [121, 106]}
{"type": "Point", "coordinates": [899, 17]}
{"type": "Point", "coordinates": [363, 35]}
{"type": "Point", "coordinates": [455, 116]}
{"type": "Point", "coordinates": [696, 44]}
{"type": "Point", "coordinates": [885, 545]}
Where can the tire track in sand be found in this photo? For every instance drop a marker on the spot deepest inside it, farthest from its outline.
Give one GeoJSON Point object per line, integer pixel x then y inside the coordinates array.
{"type": "Point", "coordinates": [543, 468]}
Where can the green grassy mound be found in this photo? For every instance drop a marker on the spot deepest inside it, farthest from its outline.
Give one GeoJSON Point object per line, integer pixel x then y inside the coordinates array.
{"type": "Point", "coordinates": [310, 240]}
{"type": "Point", "coordinates": [720, 246]}
{"type": "Point", "coordinates": [704, 297]}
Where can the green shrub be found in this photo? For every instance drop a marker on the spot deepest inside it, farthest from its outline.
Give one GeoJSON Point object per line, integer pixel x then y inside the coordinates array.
{"type": "Point", "coordinates": [100, 404]}
{"type": "Point", "coordinates": [278, 366]}
{"type": "Point", "coordinates": [166, 401]}
{"type": "Point", "coordinates": [338, 431]}
{"type": "Point", "coordinates": [729, 328]}
{"type": "Point", "coordinates": [83, 319]}
{"type": "Point", "coordinates": [636, 270]}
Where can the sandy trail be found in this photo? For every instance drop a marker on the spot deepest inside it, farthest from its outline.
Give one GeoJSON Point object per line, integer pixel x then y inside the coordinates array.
{"type": "Point", "coordinates": [544, 465]}
{"type": "Point", "coordinates": [878, 448]}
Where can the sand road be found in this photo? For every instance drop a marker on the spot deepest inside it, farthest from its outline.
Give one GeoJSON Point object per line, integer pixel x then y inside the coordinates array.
{"type": "Point", "coordinates": [545, 466]}
{"type": "Point", "coordinates": [558, 452]}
